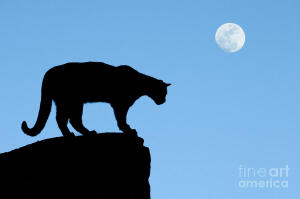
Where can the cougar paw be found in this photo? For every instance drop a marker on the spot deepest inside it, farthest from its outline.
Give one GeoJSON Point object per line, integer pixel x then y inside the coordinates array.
{"type": "Point", "coordinates": [93, 132]}
{"type": "Point", "coordinates": [131, 132]}
{"type": "Point", "coordinates": [69, 135]}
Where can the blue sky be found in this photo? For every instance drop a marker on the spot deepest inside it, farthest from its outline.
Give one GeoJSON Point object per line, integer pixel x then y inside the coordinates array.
{"type": "Point", "coordinates": [223, 110]}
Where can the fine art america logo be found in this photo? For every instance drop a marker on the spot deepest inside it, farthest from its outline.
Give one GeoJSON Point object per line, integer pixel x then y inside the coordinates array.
{"type": "Point", "coordinates": [263, 177]}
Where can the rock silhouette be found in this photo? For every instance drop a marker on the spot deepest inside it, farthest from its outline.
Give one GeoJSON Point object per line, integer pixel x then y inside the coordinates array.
{"type": "Point", "coordinates": [104, 166]}
{"type": "Point", "coordinates": [73, 84]}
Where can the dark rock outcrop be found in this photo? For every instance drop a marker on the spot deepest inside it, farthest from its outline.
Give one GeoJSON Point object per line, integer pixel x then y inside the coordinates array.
{"type": "Point", "coordinates": [104, 166]}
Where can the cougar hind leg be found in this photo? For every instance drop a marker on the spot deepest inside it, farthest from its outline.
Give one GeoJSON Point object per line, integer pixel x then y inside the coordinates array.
{"type": "Point", "coordinates": [62, 121]}
{"type": "Point", "coordinates": [76, 120]}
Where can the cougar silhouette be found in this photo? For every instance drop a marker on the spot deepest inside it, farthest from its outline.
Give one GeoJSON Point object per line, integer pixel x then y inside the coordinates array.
{"type": "Point", "coordinates": [71, 85]}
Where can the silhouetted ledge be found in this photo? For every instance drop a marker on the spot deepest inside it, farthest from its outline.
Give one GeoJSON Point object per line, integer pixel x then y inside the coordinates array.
{"type": "Point", "coordinates": [104, 166]}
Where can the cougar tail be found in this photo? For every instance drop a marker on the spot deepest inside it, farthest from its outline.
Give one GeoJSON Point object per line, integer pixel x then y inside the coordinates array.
{"type": "Point", "coordinates": [45, 108]}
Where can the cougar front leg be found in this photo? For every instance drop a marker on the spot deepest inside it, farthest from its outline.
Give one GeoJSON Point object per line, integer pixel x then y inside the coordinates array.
{"type": "Point", "coordinates": [121, 114]}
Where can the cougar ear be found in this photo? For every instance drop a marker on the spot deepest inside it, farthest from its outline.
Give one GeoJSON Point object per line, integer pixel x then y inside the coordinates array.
{"type": "Point", "coordinates": [168, 84]}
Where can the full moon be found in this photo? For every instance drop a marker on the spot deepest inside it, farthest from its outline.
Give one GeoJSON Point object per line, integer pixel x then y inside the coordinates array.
{"type": "Point", "coordinates": [230, 37]}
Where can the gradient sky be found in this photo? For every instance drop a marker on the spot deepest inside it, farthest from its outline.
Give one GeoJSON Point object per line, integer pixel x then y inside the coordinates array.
{"type": "Point", "coordinates": [223, 110]}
